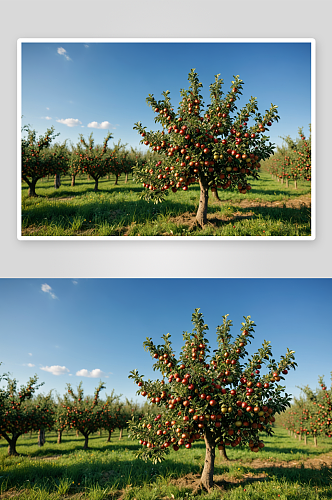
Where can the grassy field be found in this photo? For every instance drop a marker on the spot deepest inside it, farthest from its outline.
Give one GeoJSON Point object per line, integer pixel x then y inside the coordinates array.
{"type": "Point", "coordinates": [285, 469]}
{"type": "Point", "coordinates": [271, 209]}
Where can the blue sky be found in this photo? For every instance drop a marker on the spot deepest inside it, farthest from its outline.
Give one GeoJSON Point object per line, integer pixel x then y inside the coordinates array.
{"type": "Point", "coordinates": [96, 87]}
{"type": "Point", "coordinates": [68, 330]}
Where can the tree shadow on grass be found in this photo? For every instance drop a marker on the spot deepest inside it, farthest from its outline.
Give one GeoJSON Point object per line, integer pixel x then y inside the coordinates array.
{"type": "Point", "coordinates": [107, 212]}
{"type": "Point", "coordinates": [290, 214]}
{"type": "Point", "coordinates": [293, 450]}
{"type": "Point", "coordinates": [117, 216]}
{"type": "Point", "coordinates": [109, 469]}
{"type": "Point", "coordinates": [81, 188]}
{"type": "Point", "coordinates": [286, 193]}
{"type": "Point", "coordinates": [117, 470]}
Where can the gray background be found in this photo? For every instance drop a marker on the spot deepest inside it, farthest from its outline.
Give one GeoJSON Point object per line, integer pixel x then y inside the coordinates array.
{"type": "Point", "coordinates": [180, 19]}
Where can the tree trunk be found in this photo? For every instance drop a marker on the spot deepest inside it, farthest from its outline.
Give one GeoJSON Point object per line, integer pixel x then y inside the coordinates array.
{"type": "Point", "coordinates": [295, 183]}
{"type": "Point", "coordinates": [109, 436]}
{"type": "Point", "coordinates": [88, 177]}
{"type": "Point", "coordinates": [222, 452]}
{"type": "Point", "coordinates": [300, 437]}
{"type": "Point", "coordinates": [77, 433]}
{"type": "Point", "coordinates": [201, 216]}
{"type": "Point", "coordinates": [116, 179]}
{"type": "Point", "coordinates": [282, 180]}
{"type": "Point", "coordinates": [315, 440]}
{"type": "Point", "coordinates": [126, 178]}
{"type": "Point", "coordinates": [86, 442]}
{"type": "Point", "coordinates": [32, 187]}
{"type": "Point", "coordinates": [41, 437]}
{"type": "Point", "coordinates": [59, 437]}
{"type": "Point", "coordinates": [305, 439]}
{"type": "Point", "coordinates": [72, 180]}
{"type": "Point", "coordinates": [216, 196]}
{"type": "Point", "coordinates": [286, 182]}
{"type": "Point", "coordinates": [57, 181]}
{"type": "Point", "coordinates": [120, 437]}
{"type": "Point", "coordinates": [12, 444]}
{"type": "Point", "coordinates": [207, 474]}
{"type": "Point", "coordinates": [96, 184]}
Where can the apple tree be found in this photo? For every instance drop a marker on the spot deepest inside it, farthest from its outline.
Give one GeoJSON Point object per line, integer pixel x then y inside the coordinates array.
{"type": "Point", "coordinates": [83, 413]}
{"type": "Point", "coordinates": [319, 410]}
{"type": "Point", "coordinates": [304, 156]}
{"type": "Point", "coordinates": [219, 397]}
{"type": "Point", "coordinates": [20, 413]}
{"type": "Point", "coordinates": [45, 403]}
{"type": "Point", "coordinates": [326, 406]}
{"type": "Point", "coordinates": [92, 160]}
{"type": "Point", "coordinates": [215, 148]}
{"type": "Point", "coordinates": [60, 421]}
{"type": "Point", "coordinates": [108, 418]}
{"type": "Point", "coordinates": [119, 162]}
{"type": "Point", "coordinates": [39, 159]}
{"type": "Point", "coordinates": [122, 416]}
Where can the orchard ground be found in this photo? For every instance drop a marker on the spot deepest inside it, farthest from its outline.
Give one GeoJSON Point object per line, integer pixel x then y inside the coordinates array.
{"type": "Point", "coordinates": [270, 209]}
{"type": "Point", "coordinates": [284, 469]}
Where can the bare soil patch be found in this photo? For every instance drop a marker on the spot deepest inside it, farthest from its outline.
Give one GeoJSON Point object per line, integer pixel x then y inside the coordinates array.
{"type": "Point", "coordinates": [189, 219]}
{"type": "Point", "coordinates": [192, 481]}
{"type": "Point", "coordinates": [324, 460]}
{"type": "Point", "coordinates": [225, 481]}
{"type": "Point", "coordinates": [299, 202]}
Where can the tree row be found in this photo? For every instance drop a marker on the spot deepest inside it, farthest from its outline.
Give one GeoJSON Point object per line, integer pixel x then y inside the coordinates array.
{"type": "Point", "coordinates": [310, 415]}
{"type": "Point", "coordinates": [22, 411]}
{"type": "Point", "coordinates": [43, 158]}
{"type": "Point", "coordinates": [292, 161]}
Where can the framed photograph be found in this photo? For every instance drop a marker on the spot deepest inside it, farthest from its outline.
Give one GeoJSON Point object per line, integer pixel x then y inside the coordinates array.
{"type": "Point", "coordinates": [146, 385]}
{"type": "Point", "coordinates": [189, 139]}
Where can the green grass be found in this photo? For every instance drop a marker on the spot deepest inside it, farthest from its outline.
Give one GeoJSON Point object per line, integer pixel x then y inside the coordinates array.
{"type": "Point", "coordinates": [118, 211]}
{"type": "Point", "coordinates": [110, 470]}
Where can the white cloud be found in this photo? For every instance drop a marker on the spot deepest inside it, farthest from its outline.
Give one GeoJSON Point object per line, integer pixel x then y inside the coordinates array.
{"type": "Point", "coordinates": [74, 282]}
{"type": "Point", "coordinates": [63, 52]}
{"type": "Point", "coordinates": [30, 365]}
{"type": "Point", "coordinates": [48, 109]}
{"type": "Point", "coordinates": [102, 125]}
{"type": "Point", "coordinates": [86, 46]}
{"type": "Point", "coordinates": [96, 373]}
{"type": "Point", "coordinates": [70, 122]}
{"type": "Point", "coordinates": [47, 117]}
{"type": "Point", "coordinates": [55, 369]}
{"type": "Point", "coordinates": [30, 353]}
{"type": "Point", "coordinates": [47, 289]}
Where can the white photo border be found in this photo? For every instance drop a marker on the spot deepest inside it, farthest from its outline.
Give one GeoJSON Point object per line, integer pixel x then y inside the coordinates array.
{"type": "Point", "coordinates": [312, 41]}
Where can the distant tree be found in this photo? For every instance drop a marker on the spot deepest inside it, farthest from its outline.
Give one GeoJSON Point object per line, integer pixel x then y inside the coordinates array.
{"type": "Point", "coordinates": [20, 413]}
{"type": "Point", "coordinates": [83, 413]}
{"type": "Point", "coordinates": [92, 160]}
{"type": "Point", "coordinates": [39, 159]}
